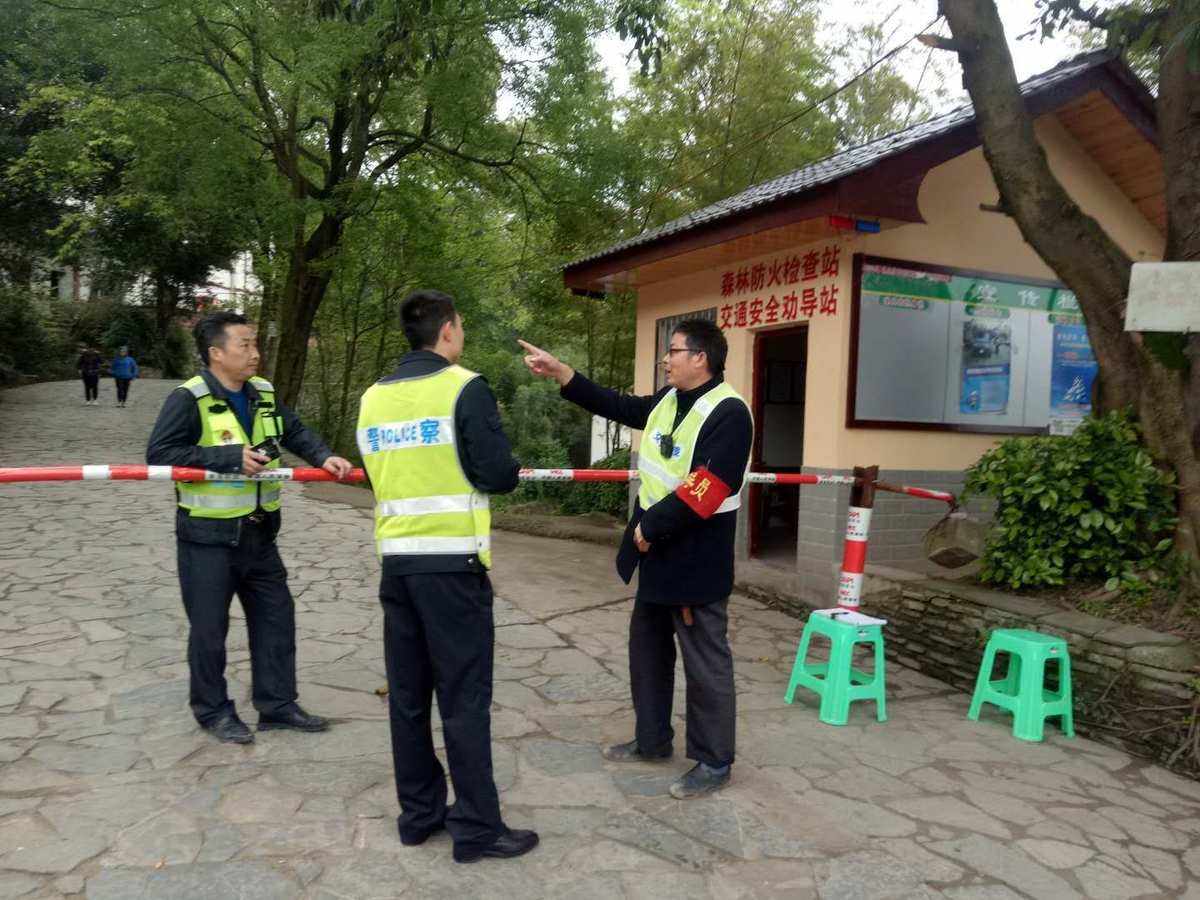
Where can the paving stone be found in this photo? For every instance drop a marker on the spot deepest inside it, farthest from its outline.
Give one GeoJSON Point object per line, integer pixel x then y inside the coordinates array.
{"type": "Point", "coordinates": [561, 758]}
{"type": "Point", "coordinates": [68, 758]}
{"type": "Point", "coordinates": [69, 884]}
{"type": "Point", "coordinates": [13, 884]}
{"type": "Point", "coordinates": [245, 880]}
{"type": "Point", "coordinates": [951, 811]}
{"type": "Point", "coordinates": [1014, 868]}
{"type": "Point", "coordinates": [525, 637]}
{"type": "Point", "coordinates": [1101, 881]}
{"type": "Point", "coordinates": [1056, 854]}
{"type": "Point", "coordinates": [54, 858]}
{"type": "Point", "coordinates": [1163, 867]}
{"type": "Point", "coordinates": [644, 833]}
{"type": "Point", "coordinates": [867, 875]}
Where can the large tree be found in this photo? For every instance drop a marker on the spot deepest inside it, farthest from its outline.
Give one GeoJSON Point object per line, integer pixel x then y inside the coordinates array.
{"type": "Point", "coordinates": [1156, 376]}
{"type": "Point", "coordinates": [341, 95]}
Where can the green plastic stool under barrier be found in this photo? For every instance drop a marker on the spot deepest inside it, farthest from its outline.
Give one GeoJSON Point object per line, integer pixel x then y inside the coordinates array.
{"type": "Point", "coordinates": [1022, 690]}
{"type": "Point", "coordinates": [837, 682]}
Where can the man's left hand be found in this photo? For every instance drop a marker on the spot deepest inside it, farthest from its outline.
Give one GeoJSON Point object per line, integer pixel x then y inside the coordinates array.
{"type": "Point", "coordinates": [642, 543]}
{"type": "Point", "coordinates": [337, 467]}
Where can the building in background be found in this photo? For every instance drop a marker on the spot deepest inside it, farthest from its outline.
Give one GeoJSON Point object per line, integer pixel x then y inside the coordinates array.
{"type": "Point", "coordinates": [882, 309]}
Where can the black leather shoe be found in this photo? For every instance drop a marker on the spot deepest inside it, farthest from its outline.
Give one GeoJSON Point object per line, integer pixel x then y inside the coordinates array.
{"type": "Point", "coordinates": [631, 752]}
{"type": "Point", "coordinates": [295, 719]}
{"type": "Point", "coordinates": [700, 780]}
{"type": "Point", "coordinates": [416, 837]}
{"type": "Point", "coordinates": [511, 843]}
{"type": "Point", "coordinates": [230, 730]}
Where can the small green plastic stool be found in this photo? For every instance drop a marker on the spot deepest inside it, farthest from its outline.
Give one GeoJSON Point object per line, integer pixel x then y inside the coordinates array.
{"type": "Point", "coordinates": [1022, 690]}
{"type": "Point", "coordinates": [837, 682]}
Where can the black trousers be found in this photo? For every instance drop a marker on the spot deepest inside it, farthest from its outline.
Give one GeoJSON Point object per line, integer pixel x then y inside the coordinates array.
{"type": "Point", "coordinates": [209, 576]}
{"type": "Point", "coordinates": [708, 667]}
{"type": "Point", "coordinates": [122, 388]}
{"type": "Point", "coordinates": [91, 387]}
{"type": "Point", "coordinates": [438, 636]}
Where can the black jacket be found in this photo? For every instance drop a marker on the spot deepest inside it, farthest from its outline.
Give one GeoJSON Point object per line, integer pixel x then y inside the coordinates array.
{"type": "Point", "coordinates": [690, 562]}
{"type": "Point", "coordinates": [483, 450]}
{"type": "Point", "coordinates": [173, 443]}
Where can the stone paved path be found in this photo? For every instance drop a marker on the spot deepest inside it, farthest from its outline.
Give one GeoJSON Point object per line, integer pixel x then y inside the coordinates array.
{"type": "Point", "coordinates": [107, 788]}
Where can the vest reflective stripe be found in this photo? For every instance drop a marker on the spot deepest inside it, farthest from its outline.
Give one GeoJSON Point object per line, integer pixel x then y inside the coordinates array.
{"type": "Point", "coordinates": [228, 499]}
{"type": "Point", "coordinates": [660, 476]}
{"type": "Point", "coordinates": [424, 506]}
{"type": "Point", "coordinates": [427, 546]}
{"type": "Point", "coordinates": [424, 502]}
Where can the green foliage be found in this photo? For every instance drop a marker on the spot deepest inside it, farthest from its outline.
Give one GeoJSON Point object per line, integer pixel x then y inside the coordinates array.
{"type": "Point", "coordinates": [26, 348]}
{"type": "Point", "coordinates": [1086, 507]}
{"type": "Point", "coordinates": [109, 325]}
{"type": "Point", "coordinates": [611, 498]}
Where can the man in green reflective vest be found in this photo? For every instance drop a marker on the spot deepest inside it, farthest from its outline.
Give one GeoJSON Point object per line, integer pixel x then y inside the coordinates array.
{"type": "Point", "coordinates": [693, 457]}
{"type": "Point", "coordinates": [227, 420]}
{"type": "Point", "coordinates": [433, 447]}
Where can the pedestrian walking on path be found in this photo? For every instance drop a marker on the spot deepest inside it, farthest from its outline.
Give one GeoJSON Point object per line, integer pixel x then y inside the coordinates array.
{"type": "Point", "coordinates": [89, 366]}
{"type": "Point", "coordinates": [433, 447]}
{"type": "Point", "coordinates": [227, 420]}
{"type": "Point", "coordinates": [124, 369]}
{"type": "Point", "coordinates": [692, 460]}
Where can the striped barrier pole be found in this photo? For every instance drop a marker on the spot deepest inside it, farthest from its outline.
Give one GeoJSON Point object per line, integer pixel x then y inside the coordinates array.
{"type": "Point", "coordinates": [858, 526]}
{"type": "Point", "coordinates": [186, 473]}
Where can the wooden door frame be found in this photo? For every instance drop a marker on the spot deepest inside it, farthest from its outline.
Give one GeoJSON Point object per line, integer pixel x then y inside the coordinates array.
{"type": "Point", "coordinates": [757, 402]}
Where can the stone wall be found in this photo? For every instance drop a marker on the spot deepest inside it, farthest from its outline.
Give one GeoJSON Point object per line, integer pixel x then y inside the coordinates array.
{"type": "Point", "coordinates": [1133, 687]}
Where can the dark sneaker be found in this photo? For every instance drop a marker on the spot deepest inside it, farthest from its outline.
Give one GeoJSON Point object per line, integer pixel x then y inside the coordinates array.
{"type": "Point", "coordinates": [511, 843]}
{"type": "Point", "coordinates": [230, 730]}
{"type": "Point", "coordinates": [700, 780]}
{"type": "Point", "coordinates": [631, 752]}
{"type": "Point", "coordinates": [294, 719]}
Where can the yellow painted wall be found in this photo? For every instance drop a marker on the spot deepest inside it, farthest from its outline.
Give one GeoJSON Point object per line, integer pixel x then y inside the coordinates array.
{"type": "Point", "coordinates": [956, 233]}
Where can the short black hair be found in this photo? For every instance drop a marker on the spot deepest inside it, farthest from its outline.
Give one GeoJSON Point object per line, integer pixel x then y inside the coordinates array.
{"type": "Point", "coordinates": [704, 334]}
{"type": "Point", "coordinates": [210, 331]}
{"type": "Point", "coordinates": [422, 315]}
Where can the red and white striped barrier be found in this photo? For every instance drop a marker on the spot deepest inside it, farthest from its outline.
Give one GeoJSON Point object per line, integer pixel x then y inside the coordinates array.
{"type": "Point", "coordinates": [185, 473]}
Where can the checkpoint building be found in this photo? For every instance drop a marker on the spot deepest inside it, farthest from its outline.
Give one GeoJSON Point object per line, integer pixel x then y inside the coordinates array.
{"type": "Point", "coordinates": [881, 309]}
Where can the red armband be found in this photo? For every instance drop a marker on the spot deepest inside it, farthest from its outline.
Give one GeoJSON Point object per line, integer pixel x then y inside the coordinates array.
{"type": "Point", "coordinates": [703, 492]}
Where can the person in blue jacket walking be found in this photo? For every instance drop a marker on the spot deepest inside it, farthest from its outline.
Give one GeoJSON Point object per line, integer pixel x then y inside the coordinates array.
{"type": "Point", "coordinates": [124, 370]}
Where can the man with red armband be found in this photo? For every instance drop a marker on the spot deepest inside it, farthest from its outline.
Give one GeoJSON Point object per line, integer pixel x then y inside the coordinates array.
{"type": "Point", "coordinates": [693, 457]}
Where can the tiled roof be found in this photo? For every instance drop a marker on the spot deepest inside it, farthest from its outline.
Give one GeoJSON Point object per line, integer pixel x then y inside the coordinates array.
{"type": "Point", "coordinates": [847, 162]}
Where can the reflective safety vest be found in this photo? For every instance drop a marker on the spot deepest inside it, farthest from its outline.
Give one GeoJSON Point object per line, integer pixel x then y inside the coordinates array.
{"type": "Point", "coordinates": [659, 476]}
{"type": "Point", "coordinates": [220, 426]}
{"type": "Point", "coordinates": [424, 504]}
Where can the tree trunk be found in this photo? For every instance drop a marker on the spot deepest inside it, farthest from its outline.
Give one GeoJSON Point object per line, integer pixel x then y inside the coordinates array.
{"type": "Point", "coordinates": [307, 281]}
{"type": "Point", "coordinates": [1075, 246]}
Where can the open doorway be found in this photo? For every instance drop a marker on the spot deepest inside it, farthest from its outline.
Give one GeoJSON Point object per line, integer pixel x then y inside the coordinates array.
{"type": "Point", "coordinates": [780, 376]}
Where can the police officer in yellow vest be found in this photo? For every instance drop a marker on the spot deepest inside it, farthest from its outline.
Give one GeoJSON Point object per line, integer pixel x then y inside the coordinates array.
{"type": "Point", "coordinates": [696, 438]}
{"type": "Point", "coordinates": [433, 447]}
{"type": "Point", "coordinates": [228, 420]}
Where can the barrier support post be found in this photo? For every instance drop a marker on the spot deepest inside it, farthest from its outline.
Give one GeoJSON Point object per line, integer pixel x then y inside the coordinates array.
{"type": "Point", "coordinates": [858, 526]}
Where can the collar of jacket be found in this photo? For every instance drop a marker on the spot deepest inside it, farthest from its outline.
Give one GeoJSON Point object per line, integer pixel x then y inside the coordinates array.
{"type": "Point", "coordinates": [690, 397]}
{"type": "Point", "coordinates": [218, 390]}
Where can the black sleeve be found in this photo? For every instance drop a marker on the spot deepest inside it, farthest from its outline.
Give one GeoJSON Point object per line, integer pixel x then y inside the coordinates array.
{"type": "Point", "coordinates": [173, 440]}
{"type": "Point", "coordinates": [302, 440]}
{"type": "Point", "coordinates": [723, 446]}
{"type": "Point", "coordinates": [483, 447]}
{"type": "Point", "coordinates": [628, 409]}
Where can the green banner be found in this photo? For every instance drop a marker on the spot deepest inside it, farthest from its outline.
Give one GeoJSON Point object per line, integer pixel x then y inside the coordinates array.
{"type": "Point", "coordinates": [899, 282]}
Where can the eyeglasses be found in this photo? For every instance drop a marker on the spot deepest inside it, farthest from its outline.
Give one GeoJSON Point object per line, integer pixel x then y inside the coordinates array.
{"type": "Point", "coordinates": [671, 350]}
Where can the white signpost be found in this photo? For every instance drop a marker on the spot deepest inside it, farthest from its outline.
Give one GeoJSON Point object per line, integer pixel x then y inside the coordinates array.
{"type": "Point", "coordinates": [1164, 297]}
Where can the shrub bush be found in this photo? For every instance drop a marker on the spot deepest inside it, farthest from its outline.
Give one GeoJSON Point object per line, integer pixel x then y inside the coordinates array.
{"type": "Point", "coordinates": [611, 497]}
{"type": "Point", "coordinates": [25, 345]}
{"type": "Point", "coordinates": [1086, 507]}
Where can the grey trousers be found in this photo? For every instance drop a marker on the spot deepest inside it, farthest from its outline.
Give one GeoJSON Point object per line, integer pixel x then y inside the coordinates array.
{"type": "Point", "coordinates": [708, 667]}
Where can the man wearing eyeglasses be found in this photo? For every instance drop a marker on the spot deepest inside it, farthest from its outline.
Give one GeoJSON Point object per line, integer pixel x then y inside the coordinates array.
{"type": "Point", "coordinates": [695, 449]}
